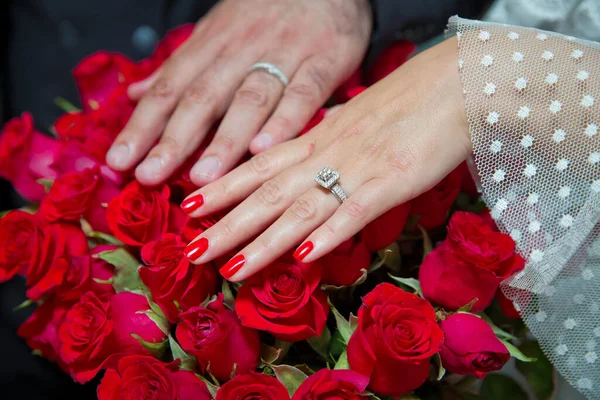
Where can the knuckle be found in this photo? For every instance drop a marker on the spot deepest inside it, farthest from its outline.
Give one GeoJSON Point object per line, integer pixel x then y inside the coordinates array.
{"type": "Point", "coordinates": [281, 123]}
{"type": "Point", "coordinates": [224, 142]}
{"type": "Point", "coordinates": [355, 210]}
{"type": "Point", "coordinates": [301, 91]}
{"type": "Point", "coordinates": [226, 228]}
{"type": "Point", "coordinates": [271, 193]}
{"type": "Point", "coordinates": [163, 89]}
{"type": "Point", "coordinates": [304, 209]}
{"type": "Point", "coordinates": [253, 95]}
{"type": "Point", "coordinates": [401, 160]}
{"type": "Point", "coordinates": [327, 230]}
{"type": "Point", "coordinates": [261, 164]}
{"type": "Point", "coordinates": [320, 77]}
{"type": "Point", "coordinates": [198, 95]}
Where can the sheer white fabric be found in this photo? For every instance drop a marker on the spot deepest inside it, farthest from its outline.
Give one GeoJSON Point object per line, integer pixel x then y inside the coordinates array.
{"type": "Point", "coordinates": [533, 104]}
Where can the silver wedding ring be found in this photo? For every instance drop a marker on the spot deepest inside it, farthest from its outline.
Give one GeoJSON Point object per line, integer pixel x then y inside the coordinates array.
{"type": "Point", "coordinates": [271, 69]}
{"type": "Point", "coordinates": [328, 178]}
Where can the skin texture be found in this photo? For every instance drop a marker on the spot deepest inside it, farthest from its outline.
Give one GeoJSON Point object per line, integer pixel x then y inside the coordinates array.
{"type": "Point", "coordinates": [389, 144]}
{"type": "Point", "coordinates": [316, 43]}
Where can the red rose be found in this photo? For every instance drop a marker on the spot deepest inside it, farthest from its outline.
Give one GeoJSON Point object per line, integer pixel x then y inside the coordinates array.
{"type": "Point", "coordinates": [285, 300]}
{"type": "Point", "coordinates": [343, 266]}
{"type": "Point", "coordinates": [52, 257]}
{"type": "Point", "coordinates": [471, 347]}
{"type": "Point", "coordinates": [353, 81]}
{"type": "Point", "coordinates": [40, 330]}
{"type": "Point", "coordinates": [252, 386]}
{"type": "Point", "coordinates": [175, 283]}
{"type": "Point", "coordinates": [432, 206]}
{"type": "Point", "coordinates": [314, 121]}
{"type": "Point", "coordinates": [469, 264]}
{"type": "Point", "coordinates": [172, 40]}
{"type": "Point", "coordinates": [215, 336]}
{"type": "Point", "coordinates": [332, 384]}
{"type": "Point", "coordinates": [143, 377]}
{"type": "Point", "coordinates": [396, 335]}
{"type": "Point", "coordinates": [82, 275]}
{"type": "Point", "coordinates": [506, 305]}
{"type": "Point", "coordinates": [20, 234]}
{"type": "Point", "coordinates": [26, 156]}
{"type": "Point", "coordinates": [392, 58]}
{"type": "Point", "coordinates": [140, 215]}
{"type": "Point", "coordinates": [386, 229]}
{"type": "Point", "coordinates": [96, 333]}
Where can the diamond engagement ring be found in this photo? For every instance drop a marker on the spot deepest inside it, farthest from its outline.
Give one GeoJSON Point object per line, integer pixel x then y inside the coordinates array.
{"type": "Point", "coordinates": [328, 178]}
{"type": "Point", "coordinates": [271, 69]}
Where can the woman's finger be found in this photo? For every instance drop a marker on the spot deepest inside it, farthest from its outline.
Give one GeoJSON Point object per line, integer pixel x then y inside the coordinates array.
{"type": "Point", "coordinates": [308, 90]}
{"type": "Point", "coordinates": [253, 102]}
{"type": "Point", "coordinates": [245, 179]}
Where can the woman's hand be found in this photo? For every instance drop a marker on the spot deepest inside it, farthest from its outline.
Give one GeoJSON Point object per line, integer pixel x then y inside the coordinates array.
{"type": "Point", "coordinates": [389, 144]}
{"type": "Point", "coordinates": [315, 43]}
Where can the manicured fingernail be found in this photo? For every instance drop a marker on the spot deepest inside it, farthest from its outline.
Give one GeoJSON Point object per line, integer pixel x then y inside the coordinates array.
{"type": "Point", "coordinates": [118, 155]}
{"type": "Point", "coordinates": [207, 168]}
{"type": "Point", "coordinates": [263, 141]}
{"type": "Point", "coordinates": [233, 266]}
{"type": "Point", "coordinates": [302, 251]}
{"type": "Point", "coordinates": [194, 250]}
{"type": "Point", "coordinates": [150, 168]}
{"type": "Point", "coordinates": [192, 203]}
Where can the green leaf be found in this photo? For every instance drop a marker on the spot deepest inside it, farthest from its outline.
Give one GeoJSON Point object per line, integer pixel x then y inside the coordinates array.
{"type": "Point", "coordinates": [46, 183]}
{"type": "Point", "coordinates": [427, 246]}
{"type": "Point", "coordinates": [187, 361]}
{"type": "Point", "coordinates": [228, 298]}
{"type": "Point", "coordinates": [342, 324]}
{"type": "Point", "coordinates": [501, 387]}
{"type": "Point", "coordinates": [389, 257]}
{"type": "Point", "coordinates": [126, 278]}
{"type": "Point", "coordinates": [289, 376]}
{"type": "Point", "coordinates": [499, 332]}
{"type": "Point", "coordinates": [320, 344]}
{"type": "Point", "coordinates": [212, 388]}
{"type": "Point", "coordinates": [158, 350]}
{"type": "Point", "coordinates": [23, 305]}
{"type": "Point", "coordinates": [337, 345]}
{"type": "Point", "coordinates": [156, 314]}
{"type": "Point", "coordinates": [410, 283]}
{"type": "Point", "coordinates": [441, 370]}
{"type": "Point", "coordinates": [516, 353]}
{"type": "Point", "coordinates": [342, 362]}
{"type": "Point", "coordinates": [65, 105]}
{"type": "Point", "coordinates": [467, 307]}
{"type": "Point", "coordinates": [540, 374]}
{"type": "Point", "coordinates": [353, 321]}
{"type": "Point", "coordinates": [269, 354]}
{"type": "Point", "coordinates": [359, 281]}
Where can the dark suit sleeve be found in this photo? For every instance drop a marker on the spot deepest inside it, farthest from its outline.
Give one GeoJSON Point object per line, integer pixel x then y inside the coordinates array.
{"type": "Point", "coordinates": [416, 20]}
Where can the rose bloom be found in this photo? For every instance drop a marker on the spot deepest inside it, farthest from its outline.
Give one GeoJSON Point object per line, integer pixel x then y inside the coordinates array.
{"type": "Point", "coordinates": [344, 264]}
{"type": "Point", "coordinates": [386, 229]}
{"type": "Point", "coordinates": [52, 256]}
{"type": "Point", "coordinates": [469, 264]}
{"type": "Point", "coordinates": [95, 333]}
{"type": "Point", "coordinates": [396, 336]}
{"type": "Point", "coordinates": [392, 58]}
{"type": "Point", "coordinates": [140, 214]}
{"type": "Point", "coordinates": [432, 207]}
{"type": "Point", "coordinates": [143, 377]}
{"type": "Point", "coordinates": [332, 384]}
{"type": "Point", "coordinates": [214, 335]}
{"type": "Point", "coordinates": [175, 283]}
{"type": "Point", "coordinates": [285, 300]}
{"type": "Point", "coordinates": [471, 347]}
{"type": "Point", "coordinates": [20, 234]}
{"type": "Point", "coordinates": [253, 386]}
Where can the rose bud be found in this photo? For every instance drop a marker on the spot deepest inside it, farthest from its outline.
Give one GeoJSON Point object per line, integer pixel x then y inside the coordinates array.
{"type": "Point", "coordinates": [343, 265]}
{"type": "Point", "coordinates": [284, 299]}
{"type": "Point", "coordinates": [332, 384]}
{"type": "Point", "coordinates": [175, 283]}
{"type": "Point", "coordinates": [469, 265]}
{"type": "Point", "coordinates": [253, 386]}
{"type": "Point", "coordinates": [386, 229]}
{"type": "Point", "coordinates": [140, 214]}
{"type": "Point", "coordinates": [396, 336]}
{"type": "Point", "coordinates": [96, 333]}
{"type": "Point", "coordinates": [143, 377]}
{"type": "Point", "coordinates": [215, 337]}
{"type": "Point", "coordinates": [471, 347]}
{"type": "Point", "coordinates": [21, 234]}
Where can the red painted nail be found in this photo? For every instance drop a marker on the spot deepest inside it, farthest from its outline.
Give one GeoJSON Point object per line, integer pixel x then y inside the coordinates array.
{"type": "Point", "coordinates": [303, 250]}
{"type": "Point", "coordinates": [233, 266]}
{"type": "Point", "coordinates": [194, 250]}
{"type": "Point", "coordinates": [193, 203]}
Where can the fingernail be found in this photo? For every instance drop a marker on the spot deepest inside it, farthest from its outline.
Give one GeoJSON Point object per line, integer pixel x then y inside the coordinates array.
{"type": "Point", "coordinates": [194, 250]}
{"type": "Point", "coordinates": [118, 155]}
{"type": "Point", "coordinates": [207, 168]}
{"type": "Point", "coordinates": [302, 251]}
{"type": "Point", "coordinates": [232, 266]}
{"type": "Point", "coordinates": [263, 140]}
{"type": "Point", "coordinates": [150, 168]}
{"type": "Point", "coordinates": [193, 203]}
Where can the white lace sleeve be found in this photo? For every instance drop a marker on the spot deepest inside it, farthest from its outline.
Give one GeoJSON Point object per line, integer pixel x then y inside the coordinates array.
{"type": "Point", "coordinates": [533, 105]}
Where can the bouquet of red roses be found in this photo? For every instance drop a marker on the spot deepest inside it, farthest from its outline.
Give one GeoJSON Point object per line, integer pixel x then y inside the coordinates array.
{"type": "Point", "coordinates": [384, 315]}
